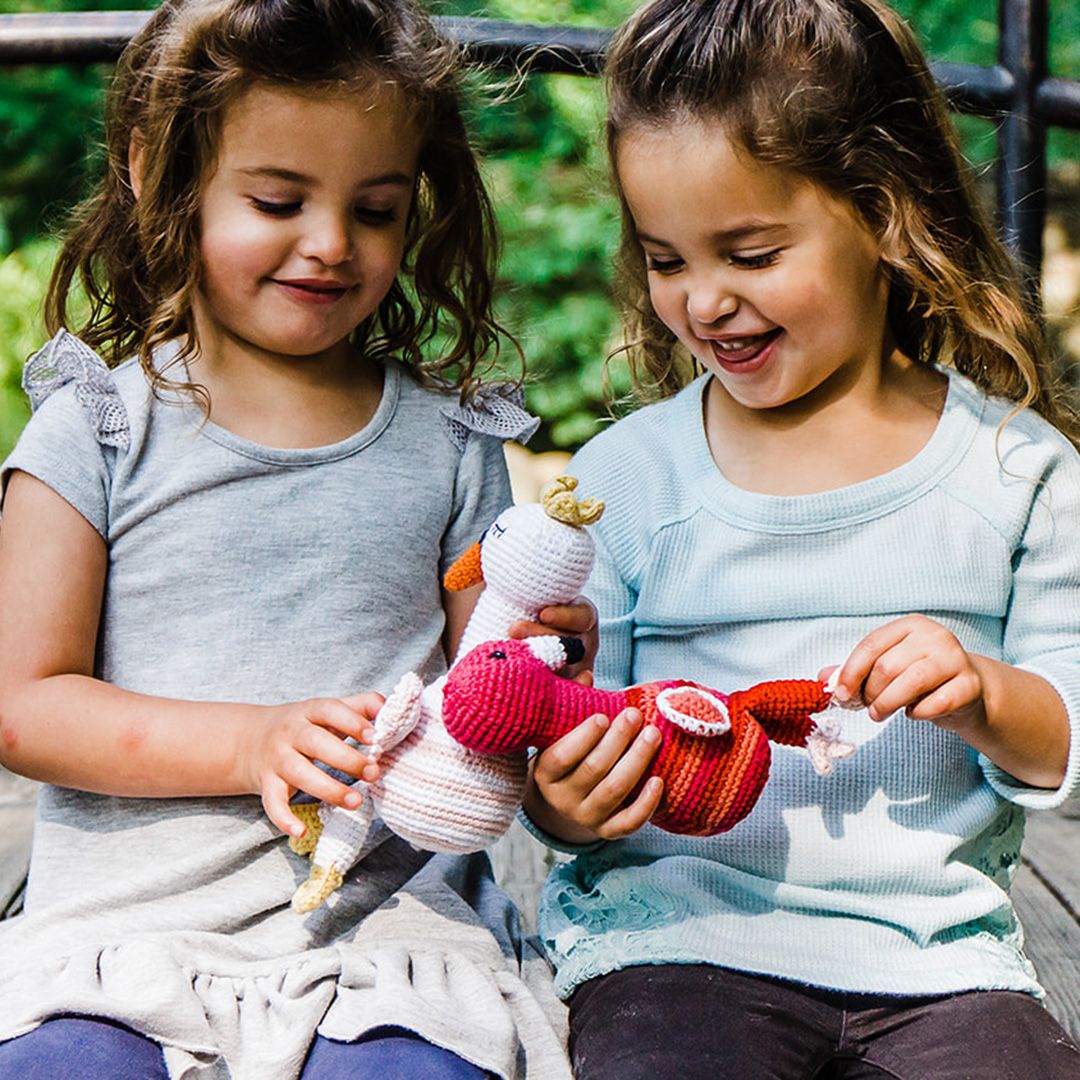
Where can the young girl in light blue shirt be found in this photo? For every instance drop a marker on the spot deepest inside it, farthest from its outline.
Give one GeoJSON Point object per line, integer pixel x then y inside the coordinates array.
{"type": "Point", "coordinates": [222, 546]}
{"type": "Point", "coordinates": [860, 460]}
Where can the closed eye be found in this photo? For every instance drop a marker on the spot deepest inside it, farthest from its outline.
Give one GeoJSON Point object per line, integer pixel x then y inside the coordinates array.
{"type": "Point", "coordinates": [275, 209]}
{"type": "Point", "coordinates": [371, 216]}
{"type": "Point", "coordinates": [756, 262]}
{"type": "Point", "coordinates": [662, 266]}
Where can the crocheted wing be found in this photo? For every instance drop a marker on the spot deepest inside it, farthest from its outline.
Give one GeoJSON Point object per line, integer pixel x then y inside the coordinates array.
{"type": "Point", "coordinates": [400, 712]}
{"type": "Point", "coordinates": [784, 707]}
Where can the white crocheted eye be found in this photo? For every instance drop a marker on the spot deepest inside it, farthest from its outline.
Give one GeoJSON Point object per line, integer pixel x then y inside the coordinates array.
{"type": "Point", "coordinates": [673, 702]}
{"type": "Point", "coordinates": [548, 649]}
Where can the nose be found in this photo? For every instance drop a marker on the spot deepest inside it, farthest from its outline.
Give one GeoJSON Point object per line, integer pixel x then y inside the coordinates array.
{"type": "Point", "coordinates": [709, 299]}
{"type": "Point", "coordinates": [328, 238]}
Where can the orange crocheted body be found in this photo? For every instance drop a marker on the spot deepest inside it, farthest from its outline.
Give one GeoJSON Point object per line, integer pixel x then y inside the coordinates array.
{"type": "Point", "coordinates": [711, 784]}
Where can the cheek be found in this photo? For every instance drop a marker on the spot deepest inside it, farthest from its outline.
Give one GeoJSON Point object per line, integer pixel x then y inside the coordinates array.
{"type": "Point", "coordinates": [236, 247]}
{"type": "Point", "coordinates": [667, 302]}
{"type": "Point", "coordinates": [384, 254]}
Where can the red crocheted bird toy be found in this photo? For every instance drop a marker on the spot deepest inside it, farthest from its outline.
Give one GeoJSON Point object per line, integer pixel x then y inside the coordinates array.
{"type": "Point", "coordinates": [504, 696]}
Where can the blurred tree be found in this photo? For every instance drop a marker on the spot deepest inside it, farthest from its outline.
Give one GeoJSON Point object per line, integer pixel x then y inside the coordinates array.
{"type": "Point", "coordinates": [50, 129]}
{"type": "Point", "coordinates": [543, 152]}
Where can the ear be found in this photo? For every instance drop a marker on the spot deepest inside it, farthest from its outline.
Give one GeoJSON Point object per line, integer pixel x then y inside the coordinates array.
{"type": "Point", "coordinates": [136, 146]}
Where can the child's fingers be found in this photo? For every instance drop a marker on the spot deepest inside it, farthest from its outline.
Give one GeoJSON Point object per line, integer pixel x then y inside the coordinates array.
{"type": "Point", "coordinates": [567, 620]}
{"type": "Point", "coordinates": [857, 667]}
{"type": "Point", "coordinates": [525, 628]}
{"type": "Point", "coordinates": [366, 704]}
{"type": "Point", "coordinates": [563, 756]}
{"type": "Point", "coordinates": [318, 744]}
{"type": "Point", "coordinates": [960, 695]}
{"type": "Point", "coordinates": [336, 714]}
{"type": "Point", "coordinates": [898, 680]}
{"type": "Point", "coordinates": [630, 818]}
{"type": "Point", "coordinates": [275, 799]}
{"type": "Point", "coordinates": [310, 779]}
{"type": "Point", "coordinates": [596, 767]}
{"type": "Point", "coordinates": [577, 617]}
{"type": "Point", "coordinates": [624, 773]}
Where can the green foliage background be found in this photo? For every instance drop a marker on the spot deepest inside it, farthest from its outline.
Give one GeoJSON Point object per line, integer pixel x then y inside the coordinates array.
{"type": "Point", "coordinates": [541, 139]}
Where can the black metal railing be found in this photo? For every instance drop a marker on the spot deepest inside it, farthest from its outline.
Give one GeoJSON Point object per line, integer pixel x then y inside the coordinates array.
{"type": "Point", "coordinates": [1018, 90]}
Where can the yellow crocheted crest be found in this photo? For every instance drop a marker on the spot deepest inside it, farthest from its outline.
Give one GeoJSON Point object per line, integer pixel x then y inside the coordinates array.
{"type": "Point", "coordinates": [557, 499]}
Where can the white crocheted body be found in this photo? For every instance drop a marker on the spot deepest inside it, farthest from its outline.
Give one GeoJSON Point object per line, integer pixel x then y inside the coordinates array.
{"type": "Point", "coordinates": [440, 796]}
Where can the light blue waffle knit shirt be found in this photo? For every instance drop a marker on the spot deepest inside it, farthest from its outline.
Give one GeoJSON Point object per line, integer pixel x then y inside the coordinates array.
{"type": "Point", "coordinates": [891, 875]}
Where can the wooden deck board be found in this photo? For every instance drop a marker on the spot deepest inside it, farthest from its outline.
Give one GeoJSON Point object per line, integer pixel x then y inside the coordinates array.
{"type": "Point", "coordinates": [16, 826]}
{"type": "Point", "coordinates": [1047, 898]}
{"type": "Point", "coordinates": [1052, 847]}
{"type": "Point", "coordinates": [1052, 943]}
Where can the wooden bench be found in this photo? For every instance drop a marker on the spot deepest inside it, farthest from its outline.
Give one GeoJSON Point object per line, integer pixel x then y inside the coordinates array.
{"type": "Point", "coordinates": [1046, 891]}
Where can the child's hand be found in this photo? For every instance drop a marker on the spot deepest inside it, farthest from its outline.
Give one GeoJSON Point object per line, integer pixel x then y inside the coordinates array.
{"type": "Point", "coordinates": [578, 786]}
{"type": "Point", "coordinates": [576, 619]}
{"type": "Point", "coordinates": [283, 753]}
{"type": "Point", "coordinates": [915, 664]}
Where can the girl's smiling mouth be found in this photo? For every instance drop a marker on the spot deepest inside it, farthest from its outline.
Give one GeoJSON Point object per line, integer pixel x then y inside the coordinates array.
{"type": "Point", "coordinates": [312, 290]}
{"type": "Point", "coordinates": [745, 352]}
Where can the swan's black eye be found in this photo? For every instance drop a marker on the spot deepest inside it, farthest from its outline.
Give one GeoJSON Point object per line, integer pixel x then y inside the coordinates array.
{"type": "Point", "coordinates": [498, 654]}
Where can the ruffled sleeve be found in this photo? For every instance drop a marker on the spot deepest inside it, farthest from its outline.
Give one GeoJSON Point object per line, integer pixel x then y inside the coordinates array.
{"type": "Point", "coordinates": [497, 410]}
{"type": "Point", "coordinates": [78, 427]}
{"type": "Point", "coordinates": [65, 359]}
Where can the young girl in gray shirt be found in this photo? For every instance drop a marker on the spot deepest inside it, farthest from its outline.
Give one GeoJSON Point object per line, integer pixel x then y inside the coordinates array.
{"type": "Point", "coordinates": [221, 547]}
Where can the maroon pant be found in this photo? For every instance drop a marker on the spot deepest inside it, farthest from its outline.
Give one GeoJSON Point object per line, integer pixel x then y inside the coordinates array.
{"type": "Point", "coordinates": [699, 1022]}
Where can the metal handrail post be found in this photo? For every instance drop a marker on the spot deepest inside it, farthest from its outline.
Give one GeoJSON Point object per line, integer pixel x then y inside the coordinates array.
{"type": "Point", "coordinates": [1021, 168]}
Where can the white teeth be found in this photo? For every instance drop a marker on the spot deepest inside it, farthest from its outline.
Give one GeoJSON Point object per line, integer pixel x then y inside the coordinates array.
{"type": "Point", "coordinates": [737, 344]}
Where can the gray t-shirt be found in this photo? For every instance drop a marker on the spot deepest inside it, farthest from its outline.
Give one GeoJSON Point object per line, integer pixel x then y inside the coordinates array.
{"type": "Point", "coordinates": [239, 572]}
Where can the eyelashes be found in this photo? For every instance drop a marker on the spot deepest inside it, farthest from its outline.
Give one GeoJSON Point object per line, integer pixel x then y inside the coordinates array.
{"type": "Point", "coordinates": [741, 262]}
{"type": "Point", "coordinates": [365, 214]}
{"type": "Point", "coordinates": [755, 262]}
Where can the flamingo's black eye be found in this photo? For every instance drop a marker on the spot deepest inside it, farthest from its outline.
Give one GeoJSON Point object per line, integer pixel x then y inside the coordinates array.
{"type": "Point", "coordinates": [498, 654]}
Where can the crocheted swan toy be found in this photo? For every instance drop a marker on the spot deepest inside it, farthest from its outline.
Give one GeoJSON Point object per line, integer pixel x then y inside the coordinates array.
{"type": "Point", "coordinates": [432, 791]}
{"type": "Point", "coordinates": [714, 753]}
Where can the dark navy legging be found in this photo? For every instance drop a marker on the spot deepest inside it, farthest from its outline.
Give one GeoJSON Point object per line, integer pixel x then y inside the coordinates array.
{"type": "Point", "coordinates": [85, 1048]}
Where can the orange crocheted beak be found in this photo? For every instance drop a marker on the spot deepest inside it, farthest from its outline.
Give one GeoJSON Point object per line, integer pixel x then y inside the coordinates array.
{"type": "Point", "coordinates": [466, 570]}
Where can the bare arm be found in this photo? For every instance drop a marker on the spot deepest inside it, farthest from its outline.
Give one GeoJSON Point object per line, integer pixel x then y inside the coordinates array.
{"type": "Point", "coordinates": [1025, 729]}
{"type": "Point", "coordinates": [457, 606]}
{"type": "Point", "coordinates": [61, 725]}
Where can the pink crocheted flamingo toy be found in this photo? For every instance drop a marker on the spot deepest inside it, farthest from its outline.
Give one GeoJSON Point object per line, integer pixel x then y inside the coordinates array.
{"type": "Point", "coordinates": [714, 754]}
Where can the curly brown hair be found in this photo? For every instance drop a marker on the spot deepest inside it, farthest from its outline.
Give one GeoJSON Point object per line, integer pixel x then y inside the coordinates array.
{"type": "Point", "coordinates": [138, 260]}
{"type": "Point", "coordinates": [839, 92]}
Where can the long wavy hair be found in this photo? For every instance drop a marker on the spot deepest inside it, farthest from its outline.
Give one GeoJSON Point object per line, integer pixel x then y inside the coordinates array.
{"type": "Point", "coordinates": [838, 92]}
{"type": "Point", "coordinates": [138, 260]}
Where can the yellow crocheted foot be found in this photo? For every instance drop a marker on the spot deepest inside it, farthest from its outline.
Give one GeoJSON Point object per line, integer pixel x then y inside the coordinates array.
{"type": "Point", "coordinates": [322, 882]}
{"type": "Point", "coordinates": [308, 813]}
